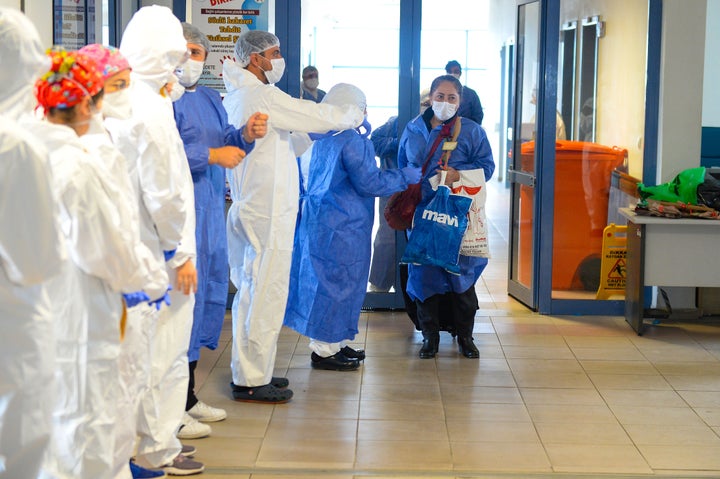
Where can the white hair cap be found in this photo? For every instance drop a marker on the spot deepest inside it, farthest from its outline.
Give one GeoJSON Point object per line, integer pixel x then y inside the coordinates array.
{"type": "Point", "coordinates": [346, 94]}
{"type": "Point", "coordinates": [253, 41]}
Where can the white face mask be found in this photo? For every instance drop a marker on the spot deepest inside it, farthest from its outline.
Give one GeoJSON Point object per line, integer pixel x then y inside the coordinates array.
{"type": "Point", "coordinates": [312, 83]}
{"type": "Point", "coordinates": [456, 75]}
{"type": "Point", "coordinates": [189, 73]}
{"type": "Point", "coordinates": [117, 105]}
{"type": "Point", "coordinates": [176, 91]}
{"type": "Point", "coordinates": [278, 68]}
{"type": "Point", "coordinates": [444, 110]}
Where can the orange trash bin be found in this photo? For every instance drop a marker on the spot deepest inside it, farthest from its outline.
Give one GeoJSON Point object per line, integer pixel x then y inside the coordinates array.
{"type": "Point", "coordinates": [582, 188]}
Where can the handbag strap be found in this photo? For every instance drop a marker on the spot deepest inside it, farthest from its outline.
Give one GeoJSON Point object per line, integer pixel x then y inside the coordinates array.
{"type": "Point", "coordinates": [443, 135]}
{"type": "Point", "coordinates": [449, 146]}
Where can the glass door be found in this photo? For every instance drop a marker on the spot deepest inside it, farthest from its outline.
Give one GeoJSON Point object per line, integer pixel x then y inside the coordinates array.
{"type": "Point", "coordinates": [361, 46]}
{"type": "Point", "coordinates": [521, 162]}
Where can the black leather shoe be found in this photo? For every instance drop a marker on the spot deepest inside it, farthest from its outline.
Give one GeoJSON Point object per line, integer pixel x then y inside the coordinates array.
{"type": "Point", "coordinates": [429, 348]}
{"type": "Point", "coordinates": [467, 347]}
{"type": "Point", "coordinates": [351, 353]}
{"type": "Point", "coordinates": [336, 362]}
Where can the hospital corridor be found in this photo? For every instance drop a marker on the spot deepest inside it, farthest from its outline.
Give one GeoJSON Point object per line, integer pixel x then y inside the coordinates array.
{"type": "Point", "coordinates": [551, 396]}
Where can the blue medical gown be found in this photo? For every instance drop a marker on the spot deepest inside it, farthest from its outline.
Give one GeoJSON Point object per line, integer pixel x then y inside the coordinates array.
{"type": "Point", "coordinates": [473, 151]}
{"type": "Point", "coordinates": [203, 124]}
{"type": "Point", "coordinates": [331, 254]}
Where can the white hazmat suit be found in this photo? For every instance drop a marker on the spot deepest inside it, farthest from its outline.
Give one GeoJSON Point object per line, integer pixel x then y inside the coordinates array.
{"type": "Point", "coordinates": [31, 252]}
{"type": "Point", "coordinates": [261, 220]}
{"type": "Point", "coordinates": [154, 45]}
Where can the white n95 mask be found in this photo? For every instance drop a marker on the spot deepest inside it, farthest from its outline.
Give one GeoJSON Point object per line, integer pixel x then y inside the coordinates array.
{"type": "Point", "coordinates": [444, 110]}
{"type": "Point", "coordinates": [189, 73]}
{"type": "Point", "coordinates": [117, 104]}
{"type": "Point", "coordinates": [176, 91]}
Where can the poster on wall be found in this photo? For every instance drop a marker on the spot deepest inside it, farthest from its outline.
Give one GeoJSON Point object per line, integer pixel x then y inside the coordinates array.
{"type": "Point", "coordinates": [223, 21]}
{"type": "Point", "coordinates": [73, 23]}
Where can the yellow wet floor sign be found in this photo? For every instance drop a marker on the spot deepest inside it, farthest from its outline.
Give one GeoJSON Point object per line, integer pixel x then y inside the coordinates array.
{"type": "Point", "coordinates": [613, 270]}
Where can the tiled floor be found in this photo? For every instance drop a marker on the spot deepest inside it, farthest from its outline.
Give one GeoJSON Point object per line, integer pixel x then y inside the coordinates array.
{"type": "Point", "coordinates": [551, 396]}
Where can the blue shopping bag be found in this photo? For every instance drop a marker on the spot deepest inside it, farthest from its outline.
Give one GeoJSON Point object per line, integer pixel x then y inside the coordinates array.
{"type": "Point", "coordinates": [438, 230]}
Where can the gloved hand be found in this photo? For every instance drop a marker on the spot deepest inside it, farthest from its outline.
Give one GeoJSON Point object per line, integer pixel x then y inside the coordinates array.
{"type": "Point", "coordinates": [169, 254]}
{"type": "Point", "coordinates": [412, 174]}
{"type": "Point", "coordinates": [133, 299]}
{"type": "Point", "coordinates": [366, 126]}
{"type": "Point", "coordinates": [163, 299]}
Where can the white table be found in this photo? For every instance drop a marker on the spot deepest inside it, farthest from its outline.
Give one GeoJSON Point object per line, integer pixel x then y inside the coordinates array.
{"type": "Point", "coordinates": [668, 252]}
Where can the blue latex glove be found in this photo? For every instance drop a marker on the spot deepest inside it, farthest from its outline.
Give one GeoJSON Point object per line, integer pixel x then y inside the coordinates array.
{"type": "Point", "coordinates": [169, 254]}
{"type": "Point", "coordinates": [162, 299]}
{"type": "Point", "coordinates": [367, 127]}
{"type": "Point", "coordinates": [133, 299]}
{"type": "Point", "coordinates": [412, 174]}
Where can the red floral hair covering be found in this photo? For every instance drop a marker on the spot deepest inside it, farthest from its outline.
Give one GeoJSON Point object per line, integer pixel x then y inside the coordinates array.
{"type": "Point", "coordinates": [72, 76]}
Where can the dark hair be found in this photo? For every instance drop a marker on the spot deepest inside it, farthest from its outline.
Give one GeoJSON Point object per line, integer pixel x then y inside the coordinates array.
{"type": "Point", "coordinates": [446, 78]}
{"type": "Point", "coordinates": [452, 63]}
{"type": "Point", "coordinates": [67, 115]}
{"type": "Point", "coordinates": [309, 69]}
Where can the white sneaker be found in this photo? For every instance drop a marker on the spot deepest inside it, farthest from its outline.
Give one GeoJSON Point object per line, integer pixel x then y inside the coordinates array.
{"type": "Point", "coordinates": [204, 413]}
{"type": "Point", "coordinates": [192, 429]}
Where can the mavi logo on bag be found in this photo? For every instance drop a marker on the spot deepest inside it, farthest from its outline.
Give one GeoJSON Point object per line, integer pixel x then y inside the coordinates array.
{"type": "Point", "coordinates": [441, 218]}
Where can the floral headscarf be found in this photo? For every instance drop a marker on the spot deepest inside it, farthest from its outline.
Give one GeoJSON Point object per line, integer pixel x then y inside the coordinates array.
{"type": "Point", "coordinates": [109, 60]}
{"type": "Point", "coordinates": [72, 76]}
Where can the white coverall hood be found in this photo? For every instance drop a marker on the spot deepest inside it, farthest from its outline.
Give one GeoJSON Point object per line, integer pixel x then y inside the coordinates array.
{"type": "Point", "coordinates": [22, 59]}
{"type": "Point", "coordinates": [154, 45]}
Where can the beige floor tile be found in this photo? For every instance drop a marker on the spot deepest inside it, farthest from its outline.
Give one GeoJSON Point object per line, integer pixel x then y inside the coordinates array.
{"type": "Point", "coordinates": [662, 435]}
{"type": "Point", "coordinates": [667, 416]}
{"type": "Point", "coordinates": [694, 457]}
{"type": "Point", "coordinates": [301, 407]}
{"type": "Point", "coordinates": [694, 383]}
{"type": "Point", "coordinates": [637, 397]}
{"type": "Point", "coordinates": [402, 411]}
{"type": "Point", "coordinates": [404, 455]}
{"type": "Point", "coordinates": [491, 431]}
{"type": "Point", "coordinates": [481, 378]}
{"type": "Point", "coordinates": [486, 412]}
{"type": "Point", "coordinates": [711, 415]}
{"type": "Point", "coordinates": [538, 352]}
{"type": "Point", "coordinates": [689, 368]}
{"type": "Point", "coordinates": [597, 458]}
{"type": "Point", "coordinates": [299, 429]}
{"type": "Point", "coordinates": [610, 433]}
{"type": "Point", "coordinates": [612, 366]}
{"type": "Point", "coordinates": [701, 398]}
{"type": "Point", "coordinates": [532, 340]}
{"type": "Point", "coordinates": [545, 365]}
{"type": "Point", "coordinates": [297, 475]}
{"type": "Point", "coordinates": [602, 342]}
{"type": "Point", "coordinates": [308, 453]}
{"type": "Point", "coordinates": [244, 427]}
{"type": "Point", "coordinates": [391, 430]}
{"type": "Point", "coordinates": [604, 354]}
{"type": "Point", "coordinates": [584, 414]}
{"type": "Point", "coordinates": [529, 379]}
{"type": "Point", "coordinates": [629, 381]}
{"type": "Point", "coordinates": [480, 394]}
{"type": "Point", "coordinates": [400, 392]}
{"type": "Point", "coordinates": [221, 451]}
{"type": "Point", "coordinates": [499, 456]}
{"type": "Point", "coordinates": [578, 397]}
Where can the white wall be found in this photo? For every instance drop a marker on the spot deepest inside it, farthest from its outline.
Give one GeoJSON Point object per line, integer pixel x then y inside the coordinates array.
{"type": "Point", "coordinates": [711, 92]}
{"type": "Point", "coordinates": [681, 86]}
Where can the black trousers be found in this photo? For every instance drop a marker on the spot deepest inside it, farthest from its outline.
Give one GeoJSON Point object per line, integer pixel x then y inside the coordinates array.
{"type": "Point", "coordinates": [192, 400]}
{"type": "Point", "coordinates": [449, 310]}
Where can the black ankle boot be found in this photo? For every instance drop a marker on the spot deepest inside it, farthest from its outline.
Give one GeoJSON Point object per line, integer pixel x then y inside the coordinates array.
{"type": "Point", "coordinates": [430, 346]}
{"type": "Point", "coordinates": [467, 347]}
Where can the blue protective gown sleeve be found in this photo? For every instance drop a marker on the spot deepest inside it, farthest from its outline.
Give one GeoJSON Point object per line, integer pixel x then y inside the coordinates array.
{"type": "Point", "coordinates": [367, 179]}
{"type": "Point", "coordinates": [385, 141]}
{"type": "Point", "coordinates": [204, 103]}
